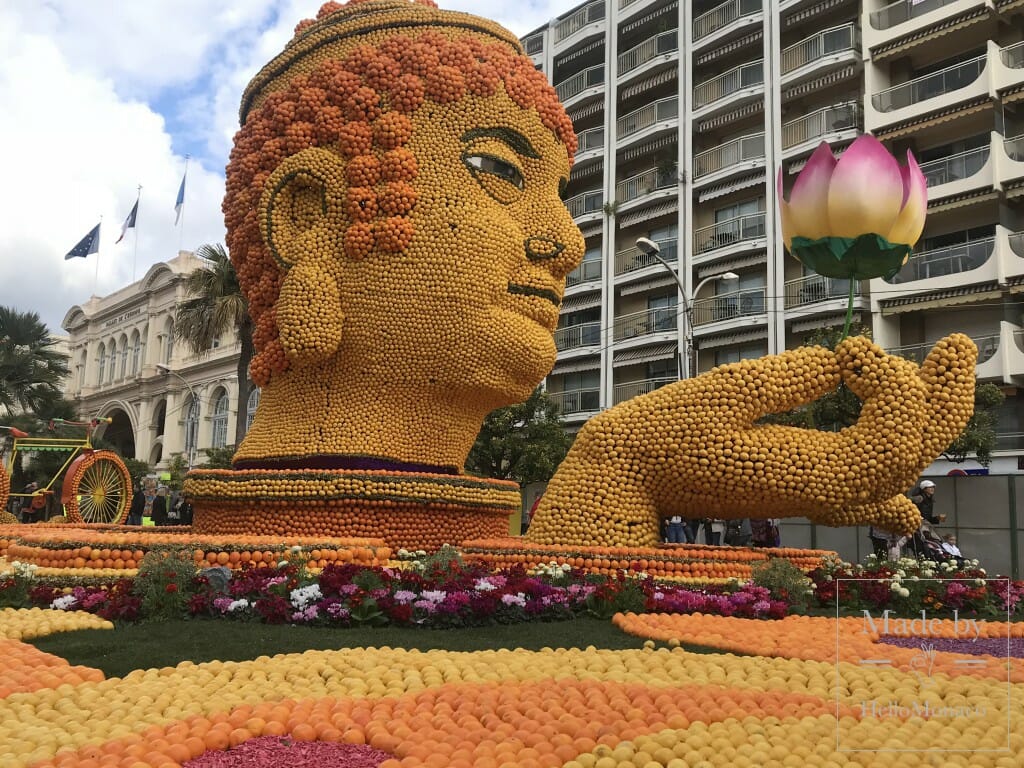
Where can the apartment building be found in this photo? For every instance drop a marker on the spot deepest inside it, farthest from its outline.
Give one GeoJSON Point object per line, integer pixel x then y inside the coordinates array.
{"type": "Point", "coordinates": [126, 364]}
{"type": "Point", "coordinates": [685, 111]}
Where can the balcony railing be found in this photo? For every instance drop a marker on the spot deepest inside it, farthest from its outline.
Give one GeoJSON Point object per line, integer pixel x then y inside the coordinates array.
{"type": "Point", "coordinates": [660, 320]}
{"type": "Point", "coordinates": [644, 183]}
{"type": "Point", "coordinates": [588, 14]}
{"type": "Point", "coordinates": [577, 400]}
{"type": "Point", "coordinates": [987, 347]}
{"type": "Point", "coordinates": [835, 40]}
{"type": "Point", "coordinates": [579, 82]}
{"type": "Point", "coordinates": [584, 203]}
{"type": "Point", "coordinates": [1014, 147]}
{"type": "Point", "coordinates": [1017, 243]}
{"type": "Point", "coordinates": [928, 87]}
{"type": "Point", "coordinates": [839, 117]}
{"type": "Point", "coordinates": [723, 15]}
{"type": "Point", "coordinates": [730, 231]}
{"type": "Point", "coordinates": [630, 389]}
{"type": "Point", "coordinates": [815, 288]}
{"type": "Point", "coordinates": [645, 117]}
{"type": "Point", "coordinates": [904, 10]}
{"type": "Point", "coordinates": [949, 260]}
{"type": "Point", "coordinates": [576, 336]}
{"type": "Point", "coordinates": [725, 306]}
{"type": "Point", "coordinates": [732, 153]}
{"type": "Point", "coordinates": [666, 42]}
{"type": "Point", "coordinates": [955, 167]}
{"type": "Point", "coordinates": [633, 259]}
{"type": "Point", "coordinates": [1013, 55]}
{"type": "Point", "coordinates": [744, 76]}
{"type": "Point", "coordinates": [584, 273]}
{"type": "Point", "coordinates": [1009, 441]}
{"type": "Point", "coordinates": [534, 45]}
{"type": "Point", "coordinates": [590, 139]}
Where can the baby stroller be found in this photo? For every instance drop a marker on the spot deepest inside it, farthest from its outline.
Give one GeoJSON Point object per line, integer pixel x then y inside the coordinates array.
{"type": "Point", "coordinates": [926, 545]}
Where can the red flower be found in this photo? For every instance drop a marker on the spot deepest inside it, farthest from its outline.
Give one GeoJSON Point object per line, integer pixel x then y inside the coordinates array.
{"type": "Point", "coordinates": [171, 588]}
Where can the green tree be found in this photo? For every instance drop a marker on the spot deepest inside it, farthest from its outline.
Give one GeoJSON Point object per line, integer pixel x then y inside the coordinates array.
{"type": "Point", "coordinates": [524, 442]}
{"type": "Point", "coordinates": [177, 467]}
{"type": "Point", "coordinates": [215, 307]}
{"type": "Point", "coordinates": [219, 458]}
{"type": "Point", "coordinates": [31, 369]}
{"type": "Point", "coordinates": [979, 436]}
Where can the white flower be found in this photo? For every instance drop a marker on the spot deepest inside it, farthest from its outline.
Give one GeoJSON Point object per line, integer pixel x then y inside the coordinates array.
{"type": "Point", "coordinates": [982, 571]}
{"type": "Point", "coordinates": [904, 592]}
{"type": "Point", "coordinates": [895, 587]}
{"type": "Point", "coordinates": [913, 578]}
{"type": "Point", "coordinates": [64, 603]}
{"type": "Point", "coordinates": [979, 582]}
{"type": "Point", "coordinates": [238, 605]}
{"type": "Point", "coordinates": [282, 563]}
{"type": "Point", "coordinates": [302, 596]}
{"type": "Point", "coordinates": [483, 585]}
{"type": "Point", "coordinates": [296, 550]}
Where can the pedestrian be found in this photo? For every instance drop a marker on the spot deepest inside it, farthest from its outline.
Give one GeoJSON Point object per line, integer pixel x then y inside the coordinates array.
{"type": "Point", "coordinates": [765, 533]}
{"type": "Point", "coordinates": [923, 497]}
{"type": "Point", "coordinates": [137, 506]}
{"type": "Point", "coordinates": [159, 509]}
{"type": "Point", "coordinates": [692, 529]}
{"type": "Point", "coordinates": [738, 532]}
{"type": "Point", "coordinates": [714, 531]}
{"type": "Point", "coordinates": [676, 532]}
{"type": "Point", "coordinates": [879, 542]}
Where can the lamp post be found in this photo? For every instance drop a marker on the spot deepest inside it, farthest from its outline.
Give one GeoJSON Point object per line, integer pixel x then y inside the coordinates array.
{"type": "Point", "coordinates": [651, 248]}
{"type": "Point", "coordinates": [165, 370]}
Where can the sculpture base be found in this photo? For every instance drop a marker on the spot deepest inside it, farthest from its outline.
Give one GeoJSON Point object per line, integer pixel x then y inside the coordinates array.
{"type": "Point", "coordinates": [410, 510]}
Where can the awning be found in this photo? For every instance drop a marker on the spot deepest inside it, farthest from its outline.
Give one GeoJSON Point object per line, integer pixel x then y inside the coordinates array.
{"type": "Point", "coordinates": [814, 10]}
{"type": "Point", "coordinates": [718, 190]}
{"type": "Point", "coordinates": [635, 217]}
{"type": "Point", "coordinates": [725, 339]}
{"type": "Point", "coordinates": [751, 108]}
{"type": "Point", "coordinates": [927, 121]}
{"type": "Point", "coordinates": [967, 294]}
{"type": "Point", "coordinates": [582, 170]}
{"type": "Point", "coordinates": [575, 54]}
{"type": "Point", "coordinates": [719, 51]}
{"type": "Point", "coordinates": [653, 15]}
{"type": "Point", "coordinates": [1015, 191]}
{"type": "Point", "coordinates": [904, 44]}
{"type": "Point", "coordinates": [718, 266]}
{"type": "Point", "coordinates": [960, 201]}
{"type": "Point", "coordinates": [642, 86]}
{"type": "Point", "coordinates": [822, 82]}
{"type": "Point", "coordinates": [644, 354]}
{"type": "Point", "coordinates": [1005, 5]}
{"type": "Point", "coordinates": [648, 147]}
{"type": "Point", "coordinates": [828, 321]}
{"type": "Point", "coordinates": [661, 281]}
{"type": "Point", "coordinates": [1011, 96]}
{"type": "Point", "coordinates": [798, 165]}
{"type": "Point", "coordinates": [591, 109]}
{"type": "Point", "coordinates": [583, 301]}
{"type": "Point", "coordinates": [592, 229]}
{"type": "Point", "coordinates": [575, 366]}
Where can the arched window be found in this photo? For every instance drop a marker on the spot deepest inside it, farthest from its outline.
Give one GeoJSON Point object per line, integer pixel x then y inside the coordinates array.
{"type": "Point", "coordinates": [113, 361]}
{"type": "Point", "coordinates": [191, 429]}
{"type": "Point", "coordinates": [168, 342]}
{"type": "Point", "coordinates": [101, 359]}
{"type": "Point", "coordinates": [220, 420]}
{"type": "Point", "coordinates": [81, 369]}
{"type": "Point", "coordinates": [250, 407]}
{"type": "Point", "coordinates": [136, 353]}
{"type": "Point", "coordinates": [124, 357]}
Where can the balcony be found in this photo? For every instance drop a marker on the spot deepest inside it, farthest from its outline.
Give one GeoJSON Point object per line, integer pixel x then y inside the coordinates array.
{"type": "Point", "coordinates": [1010, 163]}
{"type": "Point", "coordinates": [591, 144]}
{"type": "Point", "coordinates": [740, 83]}
{"type": "Point", "coordinates": [826, 49]}
{"type": "Point", "coordinates": [1000, 355]}
{"type": "Point", "coordinates": [728, 306]}
{"type": "Point", "coordinates": [906, 19]}
{"type": "Point", "coordinates": [577, 401]}
{"type": "Point", "coordinates": [633, 259]}
{"type": "Point", "coordinates": [586, 205]}
{"type": "Point", "coordinates": [586, 272]}
{"type": "Point", "coordinates": [640, 123]}
{"type": "Point", "coordinates": [578, 336]}
{"type": "Point", "coordinates": [1009, 70]}
{"type": "Point", "coordinates": [916, 353]}
{"type": "Point", "coordinates": [630, 389]}
{"type": "Point", "coordinates": [733, 234]}
{"type": "Point", "coordinates": [589, 82]}
{"type": "Point", "coordinates": [661, 45]}
{"type": "Point", "coordinates": [646, 323]}
{"type": "Point", "coordinates": [534, 45]}
{"type": "Point", "coordinates": [724, 16]}
{"type": "Point", "coordinates": [739, 155]}
{"type": "Point", "coordinates": [590, 14]}
{"type": "Point", "coordinates": [814, 289]}
{"type": "Point", "coordinates": [949, 260]}
{"type": "Point", "coordinates": [958, 173]}
{"type": "Point", "coordinates": [646, 183]}
{"type": "Point", "coordinates": [903, 11]}
{"type": "Point", "coordinates": [832, 124]}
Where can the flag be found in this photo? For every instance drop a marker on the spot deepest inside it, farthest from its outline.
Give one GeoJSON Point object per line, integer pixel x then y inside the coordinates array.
{"type": "Point", "coordinates": [180, 202]}
{"type": "Point", "coordinates": [129, 223]}
{"type": "Point", "coordinates": [89, 244]}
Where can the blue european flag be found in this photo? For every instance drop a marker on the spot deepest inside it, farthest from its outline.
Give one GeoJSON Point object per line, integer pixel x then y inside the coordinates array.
{"type": "Point", "coordinates": [88, 244]}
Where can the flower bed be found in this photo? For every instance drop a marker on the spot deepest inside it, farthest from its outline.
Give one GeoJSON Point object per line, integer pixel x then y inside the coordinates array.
{"type": "Point", "coordinates": [697, 564]}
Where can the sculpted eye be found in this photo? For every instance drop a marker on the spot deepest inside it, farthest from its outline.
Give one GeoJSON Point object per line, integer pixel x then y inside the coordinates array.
{"type": "Point", "coordinates": [495, 175]}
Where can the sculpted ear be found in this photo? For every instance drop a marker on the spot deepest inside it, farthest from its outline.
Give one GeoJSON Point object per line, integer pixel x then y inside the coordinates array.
{"type": "Point", "coordinates": [301, 206]}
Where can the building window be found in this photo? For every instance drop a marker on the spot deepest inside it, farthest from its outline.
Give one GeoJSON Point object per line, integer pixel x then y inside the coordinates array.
{"type": "Point", "coordinates": [112, 371]}
{"type": "Point", "coordinates": [124, 357]}
{"type": "Point", "coordinates": [101, 364]}
{"type": "Point", "coordinates": [191, 429]}
{"type": "Point", "coordinates": [662, 369]}
{"type": "Point", "coordinates": [81, 369]}
{"type": "Point", "coordinates": [169, 342]}
{"type": "Point", "coordinates": [662, 311]}
{"type": "Point", "coordinates": [220, 421]}
{"type": "Point", "coordinates": [136, 353]}
{"type": "Point", "coordinates": [250, 407]}
{"type": "Point", "coordinates": [742, 352]}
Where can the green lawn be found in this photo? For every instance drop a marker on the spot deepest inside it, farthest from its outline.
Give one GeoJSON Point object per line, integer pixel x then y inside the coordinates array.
{"type": "Point", "coordinates": [162, 644]}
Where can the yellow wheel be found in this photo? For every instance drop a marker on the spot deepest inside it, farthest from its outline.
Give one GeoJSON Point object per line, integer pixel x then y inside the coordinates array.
{"type": "Point", "coordinates": [97, 489]}
{"type": "Point", "coordinates": [5, 488]}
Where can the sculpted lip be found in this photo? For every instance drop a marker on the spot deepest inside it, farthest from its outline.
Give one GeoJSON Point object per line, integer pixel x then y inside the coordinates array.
{"type": "Point", "coordinates": [529, 290]}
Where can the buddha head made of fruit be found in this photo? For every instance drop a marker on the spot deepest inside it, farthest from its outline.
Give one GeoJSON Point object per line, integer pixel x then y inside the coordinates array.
{"type": "Point", "coordinates": [393, 210]}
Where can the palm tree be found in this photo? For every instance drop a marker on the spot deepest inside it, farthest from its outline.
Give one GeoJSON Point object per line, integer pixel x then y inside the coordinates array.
{"type": "Point", "coordinates": [31, 370]}
{"type": "Point", "coordinates": [215, 307]}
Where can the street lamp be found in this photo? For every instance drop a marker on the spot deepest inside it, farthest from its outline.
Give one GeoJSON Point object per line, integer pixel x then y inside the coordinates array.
{"type": "Point", "coordinates": [191, 444]}
{"type": "Point", "coordinates": [650, 248]}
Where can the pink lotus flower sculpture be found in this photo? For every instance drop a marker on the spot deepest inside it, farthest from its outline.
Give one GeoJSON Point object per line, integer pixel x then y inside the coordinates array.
{"type": "Point", "coordinates": [855, 218]}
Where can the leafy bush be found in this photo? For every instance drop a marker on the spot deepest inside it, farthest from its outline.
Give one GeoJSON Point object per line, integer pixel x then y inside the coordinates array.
{"type": "Point", "coordinates": [784, 581]}
{"type": "Point", "coordinates": [164, 583]}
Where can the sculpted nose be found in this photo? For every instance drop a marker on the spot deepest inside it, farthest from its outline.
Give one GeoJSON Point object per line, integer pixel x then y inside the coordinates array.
{"type": "Point", "coordinates": [542, 248]}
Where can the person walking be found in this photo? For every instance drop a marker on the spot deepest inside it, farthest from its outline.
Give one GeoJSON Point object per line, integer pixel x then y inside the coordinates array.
{"type": "Point", "coordinates": [923, 497]}
{"type": "Point", "coordinates": [676, 530]}
{"type": "Point", "coordinates": [159, 510]}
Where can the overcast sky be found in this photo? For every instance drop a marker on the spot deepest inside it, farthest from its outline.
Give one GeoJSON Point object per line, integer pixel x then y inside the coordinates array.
{"type": "Point", "coordinates": [99, 97]}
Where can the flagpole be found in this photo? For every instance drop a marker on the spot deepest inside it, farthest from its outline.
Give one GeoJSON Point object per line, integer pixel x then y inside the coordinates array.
{"type": "Point", "coordinates": [135, 253]}
{"type": "Point", "coordinates": [96, 274]}
{"type": "Point", "coordinates": [181, 234]}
